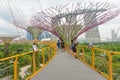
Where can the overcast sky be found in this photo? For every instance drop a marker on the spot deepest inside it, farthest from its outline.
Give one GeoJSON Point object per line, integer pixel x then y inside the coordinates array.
{"type": "Point", "coordinates": [30, 7]}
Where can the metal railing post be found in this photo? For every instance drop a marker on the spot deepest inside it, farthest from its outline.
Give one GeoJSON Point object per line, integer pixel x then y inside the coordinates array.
{"type": "Point", "coordinates": [43, 57]}
{"type": "Point", "coordinates": [15, 68]}
{"type": "Point", "coordinates": [93, 58]}
{"type": "Point", "coordinates": [83, 54]}
{"type": "Point", "coordinates": [48, 53]}
{"type": "Point", "coordinates": [34, 64]}
{"type": "Point", "coordinates": [110, 66]}
{"type": "Point", "coordinates": [52, 52]}
{"type": "Point", "coordinates": [77, 56]}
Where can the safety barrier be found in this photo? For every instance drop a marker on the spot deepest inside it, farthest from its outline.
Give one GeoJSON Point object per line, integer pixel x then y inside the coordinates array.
{"type": "Point", "coordinates": [99, 60]}
{"type": "Point", "coordinates": [47, 54]}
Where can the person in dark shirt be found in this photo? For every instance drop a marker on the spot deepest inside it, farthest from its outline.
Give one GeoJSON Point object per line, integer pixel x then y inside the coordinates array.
{"type": "Point", "coordinates": [74, 45]}
{"type": "Point", "coordinates": [58, 44]}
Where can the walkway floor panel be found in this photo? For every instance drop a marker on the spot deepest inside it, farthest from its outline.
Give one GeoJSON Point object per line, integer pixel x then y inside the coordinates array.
{"type": "Point", "coordinates": [66, 67]}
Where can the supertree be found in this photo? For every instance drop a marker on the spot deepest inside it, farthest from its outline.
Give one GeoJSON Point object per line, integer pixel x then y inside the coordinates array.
{"type": "Point", "coordinates": [69, 21]}
{"type": "Point", "coordinates": [34, 31]}
{"type": "Point", "coordinates": [7, 38]}
{"type": "Point", "coordinates": [22, 21]}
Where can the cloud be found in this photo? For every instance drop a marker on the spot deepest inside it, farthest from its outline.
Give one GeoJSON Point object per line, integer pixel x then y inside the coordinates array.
{"type": "Point", "coordinates": [6, 27]}
{"type": "Point", "coordinates": [4, 12]}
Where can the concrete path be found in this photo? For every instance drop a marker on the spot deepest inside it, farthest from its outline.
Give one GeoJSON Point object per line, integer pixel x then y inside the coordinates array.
{"type": "Point", "coordinates": [66, 67]}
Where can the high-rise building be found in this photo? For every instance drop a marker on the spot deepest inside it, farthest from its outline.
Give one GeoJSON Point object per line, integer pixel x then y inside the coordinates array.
{"type": "Point", "coordinates": [114, 35]}
{"type": "Point", "coordinates": [93, 34]}
{"type": "Point", "coordinates": [43, 35]}
{"type": "Point", "coordinates": [29, 36]}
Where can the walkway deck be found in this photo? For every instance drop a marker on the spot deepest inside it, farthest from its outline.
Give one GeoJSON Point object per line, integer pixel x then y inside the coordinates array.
{"type": "Point", "coordinates": [66, 67]}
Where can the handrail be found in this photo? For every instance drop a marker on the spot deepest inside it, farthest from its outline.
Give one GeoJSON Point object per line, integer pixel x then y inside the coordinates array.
{"type": "Point", "coordinates": [43, 59]}
{"type": "Point", "coordinates": [7, 58]}
{"type": "Point", "coordinates": [92, 65]}
{"type": "Point", "coordinates": [16, 57]}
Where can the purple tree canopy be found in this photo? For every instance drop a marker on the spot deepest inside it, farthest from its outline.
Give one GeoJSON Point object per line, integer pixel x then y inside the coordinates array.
{"type": "Point", "coordinates": [71, 20]}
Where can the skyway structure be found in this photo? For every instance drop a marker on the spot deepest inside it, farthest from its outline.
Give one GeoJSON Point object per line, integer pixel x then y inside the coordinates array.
{"type": "Point", "coordinates": [91, 35]}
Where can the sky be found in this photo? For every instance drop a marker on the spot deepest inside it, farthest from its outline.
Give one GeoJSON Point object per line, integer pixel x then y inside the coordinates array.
{"type": "Point", "coordinates": [31, 7]}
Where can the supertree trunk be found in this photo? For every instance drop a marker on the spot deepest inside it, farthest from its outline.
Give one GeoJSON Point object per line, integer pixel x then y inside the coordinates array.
{"type": "Point", "coordinates": [35, 42]}
{"type": "Point", "coordinates": [6, 49]}
{"type": "Point", "coordinates": [35, 32]}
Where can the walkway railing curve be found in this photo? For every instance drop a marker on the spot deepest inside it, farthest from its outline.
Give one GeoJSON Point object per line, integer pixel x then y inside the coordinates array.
{"type": "Point", "coordinates": [99, 60]}
{"type": "Point", "coordinates": [47, 54]}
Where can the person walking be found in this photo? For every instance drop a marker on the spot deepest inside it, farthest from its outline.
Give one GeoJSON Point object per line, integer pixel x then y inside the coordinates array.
{"type": "Point", "coordinates": [74, 45]}
{"type": "Point", "coordinates": [59, 44]}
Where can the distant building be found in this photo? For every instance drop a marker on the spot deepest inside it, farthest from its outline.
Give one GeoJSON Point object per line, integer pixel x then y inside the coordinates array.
{"type": "Point", "coordinates": [43, 35]}
{"type": "Point", "coordinates": [29, 36]}
{"type": "Point", "coordinates": [93, 34]}
{"type": "Point", "coordinates": [114, 35]}
{"type": "Point", "coordinates": [54, 38]}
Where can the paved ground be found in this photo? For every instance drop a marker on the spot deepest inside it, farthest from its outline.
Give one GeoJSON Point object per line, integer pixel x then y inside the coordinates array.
{"type": "Point", "coordinates": [66, 67]}
{"type": "Point", "coordinates": [24, 71]}
{"type": "Point", "coordinates": [6, 78]}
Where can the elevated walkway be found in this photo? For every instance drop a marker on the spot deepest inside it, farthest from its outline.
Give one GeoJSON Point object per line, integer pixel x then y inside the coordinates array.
{"type": "Point", "coordinates": [66, 67]}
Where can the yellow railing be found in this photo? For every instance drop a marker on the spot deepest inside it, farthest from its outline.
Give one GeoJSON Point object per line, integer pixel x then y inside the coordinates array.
{"type": "Point", "coordinates": [82, 51]}
{"type": "Point", "coordinates": [50, 50]}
